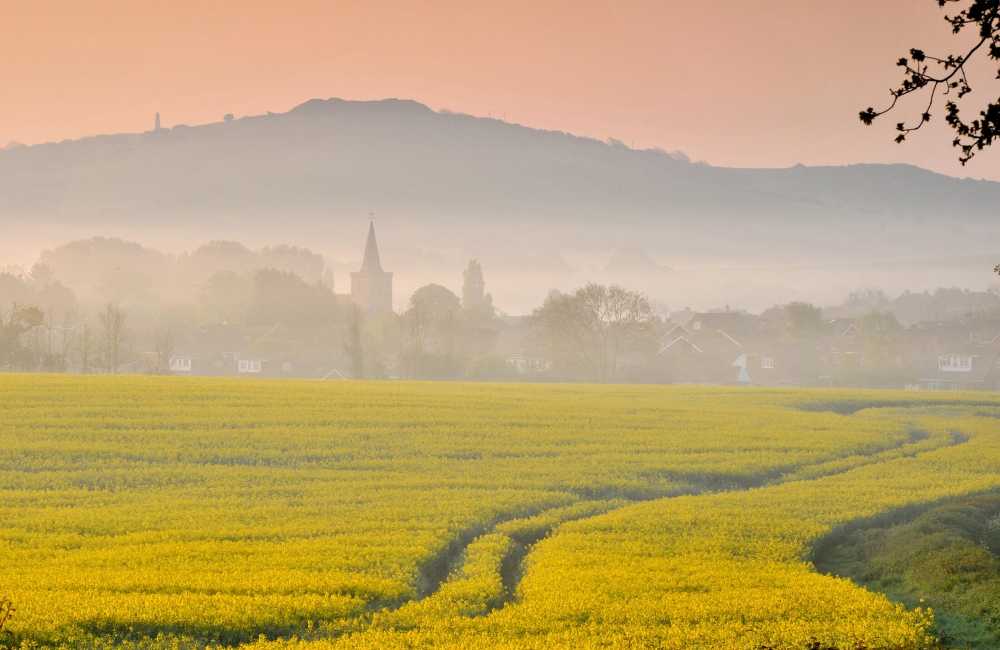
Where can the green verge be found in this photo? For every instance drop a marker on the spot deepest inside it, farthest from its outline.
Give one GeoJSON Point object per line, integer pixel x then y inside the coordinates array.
{"type": "Point", "coordinates": [942, 559]}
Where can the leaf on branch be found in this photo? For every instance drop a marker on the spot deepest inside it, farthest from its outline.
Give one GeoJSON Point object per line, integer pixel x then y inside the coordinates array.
{"type": "Point", "coordinates": [971, 136]}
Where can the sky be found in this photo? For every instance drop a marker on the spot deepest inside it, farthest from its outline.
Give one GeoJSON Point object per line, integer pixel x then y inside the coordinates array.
{"type": "Point", "coordinates": [767, 83]}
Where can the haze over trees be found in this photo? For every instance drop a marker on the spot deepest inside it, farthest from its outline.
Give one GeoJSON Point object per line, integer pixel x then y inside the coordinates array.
{"type": "Point", "coordinates": [225, 299]}
{"type": "Point", "coordinates": [451, 188]}
{"type": "Point", "coordinates": [590, 330]}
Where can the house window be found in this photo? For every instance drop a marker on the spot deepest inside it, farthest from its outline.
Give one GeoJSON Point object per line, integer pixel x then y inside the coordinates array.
{"type": "Point", "coordinates": [955, 364]}
{"type": "Point", "coordinates": [249, 365]}
{"type": "Point", "coordinates": [767, 362]}
{"type": "Point", "coordinates": [286, 366]}
{"type": "Point", "coordinates": [697, 325]}
{"type": "Point", "coordinates": [217, 363]}
{"type": "Point", "coordinates": [180, 363]}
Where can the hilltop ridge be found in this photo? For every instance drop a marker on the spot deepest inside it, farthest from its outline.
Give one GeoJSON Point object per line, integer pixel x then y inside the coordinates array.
{"type": "Point", "coordinates": [448, 186]}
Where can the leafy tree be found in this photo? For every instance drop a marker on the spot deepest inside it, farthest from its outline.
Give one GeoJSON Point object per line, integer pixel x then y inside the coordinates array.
{"type": "Point", "coordinates": [109, 267]}
{"type": "Point", "coordinates": [805, 321]}
{"type": "Point", "coordinates": [301, 261]}
{"type": "Point", "coordinates": [588, 331]}
{"type": "Point", "coordinates": [435, 300]}
{"type": "Point", "coordinates": [219, 255]}
{"type": "Point", "coordinates": [880, 323]}
{"type": "Point", "coordinates": [225, 296]}
{"type": "Point", "coordinates": [41, 274]}
{"type": "Point", "coordinates": [13, 291]}
{"type": "Point", "coordinates": [18, 349]}
{"type": "Point", "coordinates": [309, 310]}
{"type": "Point", "coordinates": [475, 300]}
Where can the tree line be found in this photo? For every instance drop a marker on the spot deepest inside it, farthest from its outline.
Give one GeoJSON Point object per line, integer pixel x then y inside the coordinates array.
{"type": "Point", "coordinates": [587, 334]}
{"type": "Point", "coordinates": [31, 342]}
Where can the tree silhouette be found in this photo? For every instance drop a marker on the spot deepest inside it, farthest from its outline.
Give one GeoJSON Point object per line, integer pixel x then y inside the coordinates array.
{"type": "Point", "coordinates": [947, 76]}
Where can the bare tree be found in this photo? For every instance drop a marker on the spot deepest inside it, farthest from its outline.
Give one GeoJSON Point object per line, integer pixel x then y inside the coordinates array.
{"type": "Point", "coordinates": [86, 347]}
{"type": "Point", "coordinates": [34, 319]}
{"type": "Point", "coordinates": [628, 319]}
{"type": "Point", "coordinates": [114, 341]}
{"type": "Point", "coordinates": [163, 349]}
{"type": "Point", "coordinates": [566, 329]}
{"type": "Point", "coordinates": [592, 328]}
{"type": "Point", "coordinates": [67, 341]}
{"type": "Point", "coordinates": [414, 325]}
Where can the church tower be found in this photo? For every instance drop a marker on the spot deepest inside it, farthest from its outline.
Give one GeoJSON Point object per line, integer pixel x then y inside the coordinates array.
{"type": "Point", "coordinates": [371, 287]}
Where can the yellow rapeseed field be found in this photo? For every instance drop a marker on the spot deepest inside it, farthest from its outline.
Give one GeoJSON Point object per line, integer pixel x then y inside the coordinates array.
{"type": "Point", "coordinates": [155, 512]}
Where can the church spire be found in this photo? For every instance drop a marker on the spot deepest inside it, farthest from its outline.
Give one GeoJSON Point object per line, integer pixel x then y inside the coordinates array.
{"type": "Point", "coordinates": [371, 287]}
{"type": "Point", "coordinates": [371, 261]}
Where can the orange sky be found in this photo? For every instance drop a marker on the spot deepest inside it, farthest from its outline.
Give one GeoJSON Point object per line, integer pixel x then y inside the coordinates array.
{"type": "Point", "coordinates": [734, 82]}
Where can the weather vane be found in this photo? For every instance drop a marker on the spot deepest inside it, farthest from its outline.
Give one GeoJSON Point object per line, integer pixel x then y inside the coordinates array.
{"type": "Point", "coordinates": [371, 216]}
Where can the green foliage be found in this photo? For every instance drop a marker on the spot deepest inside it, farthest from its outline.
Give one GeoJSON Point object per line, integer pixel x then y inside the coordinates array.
{"type": "Point", "coordinates": [991, 535]}
{"type": "Point", "coordinates": [586, 334]}
{"type": "Point", "coordinates": [436, 301]}
{"type": "Point", "coordinates": [283, 297]}
{"type": "Point", "coordinates": [805, 321]}
{"type": "Point", "coordinates": [476, 303]}
{"type": "Point", "coordinates": [942, 557]}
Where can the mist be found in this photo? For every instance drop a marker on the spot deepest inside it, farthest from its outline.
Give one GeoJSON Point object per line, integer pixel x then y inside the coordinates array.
{"type": "Point", "coordinates": [179, 227]}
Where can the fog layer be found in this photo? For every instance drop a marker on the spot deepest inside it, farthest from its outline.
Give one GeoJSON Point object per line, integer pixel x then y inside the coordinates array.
{"type": "Point", "coordinates": [539, 209]}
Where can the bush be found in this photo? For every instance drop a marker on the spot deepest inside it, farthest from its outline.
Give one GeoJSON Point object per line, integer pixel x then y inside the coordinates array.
{"type": "Point", "coordinates": [991, 535]}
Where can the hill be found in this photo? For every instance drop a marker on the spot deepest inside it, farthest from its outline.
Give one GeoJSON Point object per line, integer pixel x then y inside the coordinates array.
{"type": "Point", "coordinates": [539, 207]}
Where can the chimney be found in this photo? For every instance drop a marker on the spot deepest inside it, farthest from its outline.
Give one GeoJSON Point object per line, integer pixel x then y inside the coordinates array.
{"type": "Point", "coordinates": [156, 127]}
